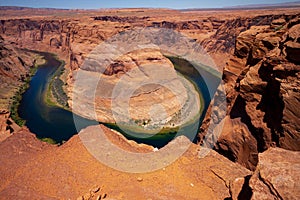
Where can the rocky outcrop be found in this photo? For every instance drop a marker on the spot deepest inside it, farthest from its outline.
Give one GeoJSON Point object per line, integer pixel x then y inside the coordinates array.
{"type": "Point", "coordinates": [93, 194]}
{"type": "Point", "coordinates": [292, 50]}
{"type": "Point", "coordinates": [276, 175]}
{"type": "Point", "coordinates": [237, 143]}
{"type": "Point", "coordinates": [15, 65]}
{"type": "Point", "coordinates": [292, 47]}
{"type": "Point", "coordinates": [120, 19]}
{"type": "Point", "coordinates": [7, 125]}
{"type": "Point", "coordinates": [225, 38]}
{"type": "Point", "coordinates": [185, 25]}
{"type": "Point", "coordinates": [33, 169]}
{"type": "Point", "coordinates": [262, 82]}
{"type": "Point", "coordinates": [63, 37]}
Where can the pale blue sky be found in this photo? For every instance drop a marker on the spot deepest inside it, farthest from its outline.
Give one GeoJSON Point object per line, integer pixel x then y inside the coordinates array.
{"type": "Point", "coordinates": [94, 4]}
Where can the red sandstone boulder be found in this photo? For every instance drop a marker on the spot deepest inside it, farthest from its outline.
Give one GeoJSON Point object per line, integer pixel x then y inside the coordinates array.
{"type": "Point", "coordinates": [277, 175]}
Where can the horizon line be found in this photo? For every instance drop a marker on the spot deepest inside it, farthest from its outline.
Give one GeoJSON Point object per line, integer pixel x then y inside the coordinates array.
{"type": "Point", "coordinates": [248, 6]}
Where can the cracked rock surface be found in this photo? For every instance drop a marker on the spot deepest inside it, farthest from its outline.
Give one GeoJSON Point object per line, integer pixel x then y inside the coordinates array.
{"type": "Point", "coordinates": [277, 175]}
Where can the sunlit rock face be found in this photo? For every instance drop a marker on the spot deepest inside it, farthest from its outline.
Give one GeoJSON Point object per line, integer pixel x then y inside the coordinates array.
{"type": "Point", "coordinates": [139, 88]}
{"type": "Point", "coordinates": [15, 65]}
{"type": "Point", "coordinates": [276, 175]}
{"type": "Point", "coordinates": [262, 85]}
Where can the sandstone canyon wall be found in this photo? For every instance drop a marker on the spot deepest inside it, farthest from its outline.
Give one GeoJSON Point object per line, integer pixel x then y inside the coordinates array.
{"type": "Point", "coordinates": [262, 81]}
{"type": "Point", "coordinates": [259, 57]}
{"type": "Point", "coordinates": [260, 76]}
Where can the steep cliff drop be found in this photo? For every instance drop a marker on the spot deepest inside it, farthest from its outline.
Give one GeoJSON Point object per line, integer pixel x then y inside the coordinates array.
{"type": "Point", "coordinates": [261, 78]}
{"type": "Point", "coordinates": [262, 81]}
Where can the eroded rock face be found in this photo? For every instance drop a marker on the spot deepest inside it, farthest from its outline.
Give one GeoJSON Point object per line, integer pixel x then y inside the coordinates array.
{"type": "Point", "coordinates": [120, 19]}
{"type": "Point", "coordinates": [5, 129]}
{"type": "Point", "coordinates": [227, 33]}
{"type": "Point", "coordinates": [14, 69]}
{"type": "Point", "coordinates": [276, 175]}
{"type": "Point", "coordinates": [237, 143]}
{"type": "Point", "coordinates": [262, 82]}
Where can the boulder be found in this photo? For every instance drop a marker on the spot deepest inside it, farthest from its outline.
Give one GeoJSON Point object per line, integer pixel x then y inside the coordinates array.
{"type": "Point", "coordinates": [252, 81]}
{"type": "Point", "coordinates": [277, 175]}
{"type": "Point", "coordinates": [271, 41]}
{"type": "Point", "coordinates": [237, 143]}
{"type": "Point", "coordinates": [294, 33]}
{"type": "Point", "coordinates": [292, 50]}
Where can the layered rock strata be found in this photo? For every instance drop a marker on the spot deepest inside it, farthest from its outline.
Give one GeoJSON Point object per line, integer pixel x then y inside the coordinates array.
{"type": "Point", "coordinates": [262, 81]}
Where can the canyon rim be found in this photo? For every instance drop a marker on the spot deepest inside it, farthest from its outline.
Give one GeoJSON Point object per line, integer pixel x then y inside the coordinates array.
{"type": "Point", "coordinates": [139, 71]}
